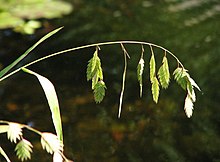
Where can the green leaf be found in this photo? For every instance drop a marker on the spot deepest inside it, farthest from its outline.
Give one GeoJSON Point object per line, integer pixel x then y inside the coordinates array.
{"type": "Point", "coordinates": [140, 70]}
{"type": "Point", "coordinates": [155, 89]}
{"type": "Point", "coordinates": [164, 74]}
{"type": "Point", "coordinates": [181, 76]}
{"type": "Point", "coordinates": [23, 150]}
{"type": "Point", "coordinates": [99, 91]}
{"type": "Point", "coordinates": [2, 152]}
{"type": "Point", "coordinates": [4, 128]}
{"type": "Point", "coordinates": [14, 132]}
{"type": "Point", "coordinates": [6, 69]}
{"type": "Point", "coordinates": [152, 67]}
{"type": "Point", "coordinates": [52, 99]}
{"type": "Point", "coordinates": [51, 143]}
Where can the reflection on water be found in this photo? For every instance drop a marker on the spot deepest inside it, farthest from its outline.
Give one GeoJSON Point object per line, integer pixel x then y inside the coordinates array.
{"type": "Point", "coordinates": [146, 132]}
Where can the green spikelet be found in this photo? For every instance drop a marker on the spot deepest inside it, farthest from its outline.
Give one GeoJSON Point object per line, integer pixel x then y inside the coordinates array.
{"type": "Point", "coordinates": [164, 74]}
{"type": "Point", "coordinates": [155, 89]}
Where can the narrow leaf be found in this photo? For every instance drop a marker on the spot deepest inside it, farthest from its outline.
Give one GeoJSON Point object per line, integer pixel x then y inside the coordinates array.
{"type": "Point", "coordinates": [155, 89]}
{"type": "Point", "coordinates": [23, 150]}
{"type": "Point", "coordinates": [188, 107]}
{"type": "Point", "coordinates": [14, 132]}
{"type": "Point", "coordinates": [51, 143]}
{"type": "Point", "coordinates": [152, 68]}
{"type": "Point", "coordinates": [4, 128]}
{"type": "Point", "coordinates": [99, 91]}
{"type": "Point", "coordinates": [140, 70]}
{"type": "Point", "coordinates": [52, 99]}
{"type": "Point", "coordinates": [2, 152]}
{"type": "Point", "coordinates": [164, 74]}
{"type": "Point", "coordinates": [6, 69]}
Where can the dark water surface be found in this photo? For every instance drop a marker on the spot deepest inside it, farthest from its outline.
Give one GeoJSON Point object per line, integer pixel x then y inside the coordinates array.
{"type": "Point", "coordinates": [146, 131]}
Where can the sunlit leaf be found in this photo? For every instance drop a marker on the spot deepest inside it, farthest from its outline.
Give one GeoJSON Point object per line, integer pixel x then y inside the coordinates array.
{"type": "Point", "coordinates": [140, 70]}
{"type": "Point", "coordinates": [51, 143]}
{"type": "Point", "coordinates": [155, 89]}
{"type": "Point", "coordinates": [99, 91]}
{"type": "Point", "coordinates": [152, 68]}
{"type": "Point", "coordinates": [52, 99]}
{"type": "Point", "coordinates": [2, 152]}
{"type": "Point", "coordinates": [164, 74]}
{"type": "Point", "coordinates": [14, 132]}
{"type": "Point", "coordinates": [188, 107]}
{"type": "Point", "coordinates": [4, 128]}
{"type": "Point", "coordinates": [23, 150]}
{"type": "Point", "coordinates": [6, 69]}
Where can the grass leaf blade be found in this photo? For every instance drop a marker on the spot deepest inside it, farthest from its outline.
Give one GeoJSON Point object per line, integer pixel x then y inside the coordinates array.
{"type": "Point", "coordinates": [52, 99]}
{"type": "Point", "coordinates": [2, 152]}
{"type": "Point", "coordinates": [9, 67]}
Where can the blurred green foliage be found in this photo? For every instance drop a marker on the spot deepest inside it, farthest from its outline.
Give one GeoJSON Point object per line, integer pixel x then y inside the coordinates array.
{"type": "Point", "coordinates": [23, 15]}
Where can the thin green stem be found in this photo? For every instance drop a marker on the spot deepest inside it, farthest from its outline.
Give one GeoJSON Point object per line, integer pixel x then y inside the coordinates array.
{"type": "Point", "coordinates": [88, 46]}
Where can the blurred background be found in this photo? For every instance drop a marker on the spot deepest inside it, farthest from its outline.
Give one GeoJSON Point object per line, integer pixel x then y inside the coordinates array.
{"type": "Point", "coordinates": [92, 132]}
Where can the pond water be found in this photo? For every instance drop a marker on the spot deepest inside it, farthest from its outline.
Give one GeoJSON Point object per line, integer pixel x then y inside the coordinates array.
{"type": "Point", "coordinates": [146, 131]}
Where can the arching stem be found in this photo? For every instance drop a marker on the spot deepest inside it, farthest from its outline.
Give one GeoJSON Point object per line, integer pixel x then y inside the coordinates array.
{"type": "Point", "coordinates": [88, 46]}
